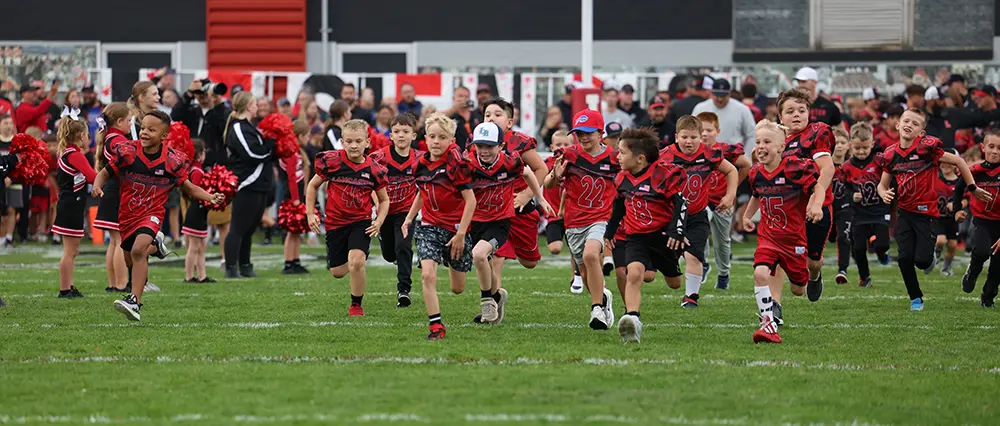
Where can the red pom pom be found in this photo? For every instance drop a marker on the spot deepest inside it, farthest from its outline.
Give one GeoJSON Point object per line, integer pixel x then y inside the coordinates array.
{"type": "Point", "coordinates": [179, 139]}
{"type": "Point", "coordinates": [276, 126]}
{"type": "Point", "coordinates": [287, 146]}
{"type": "Point", "coordinates": [33, 164]}
{"type": "Point", "coordinates": [292, 217]}
{"type": "Point", "coordinates": [219, 180]}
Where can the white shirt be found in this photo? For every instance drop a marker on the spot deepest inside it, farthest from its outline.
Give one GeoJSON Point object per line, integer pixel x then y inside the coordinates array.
{"type": "Point", "coordinates": [736, 124]}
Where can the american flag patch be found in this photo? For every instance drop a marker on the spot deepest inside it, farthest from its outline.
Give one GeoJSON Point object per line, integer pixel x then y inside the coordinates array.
{"type": "Point", "coordinates": [914, 157]}
{"type": "Point", "coordinates": [644, 187]}
{"type": "Point", "coordinates": [502, 176]}
{"type": "Point", "coordinates": [700, 160]}
{"type": "Point", "coordinates": [158, 172]}
{"type": "Point", "coordinates": [870, 169]}
{"type": "Point", "coordinates": [780, 181]}
{"type": "Point", "coordinates": [605, 167]}
{"type": "Point", "coordinates": [365, 175]}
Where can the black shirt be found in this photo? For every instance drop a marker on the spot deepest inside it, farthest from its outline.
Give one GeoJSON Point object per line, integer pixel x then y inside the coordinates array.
{"type": "Point", "coordinates": [637, 113]}
{"type": "Point", "coordinates": [464, 128]}
{"type": "Point", "coordinates": [684, 107]}
{"type": "Point", "coordinates": [824, 111]}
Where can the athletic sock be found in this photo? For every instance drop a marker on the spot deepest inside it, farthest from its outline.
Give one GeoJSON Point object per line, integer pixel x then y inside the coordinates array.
{"type": "Point", "coordinates": [692, 284]}
{"type": "Point", "coordinates": [435, 319]}
{"type": "Point", "coordinates": [496, 296]}
{"type": "Point", "coordinates": [596, 305]}
{"type": "Point", "coordinates": [609, 259]}
{"type": "Point", "coordinates": [356, 300]}
{"type": "Point", "coordinates": [764, 302]}
{"type": "Point", "coordinates": [938, 250]}
{"type": "Point", "coordinates": [633, 313]}
{"type": "Point", "coordinates": [485, 294]}
{"type": "Point", "coordinates": [947, 263]}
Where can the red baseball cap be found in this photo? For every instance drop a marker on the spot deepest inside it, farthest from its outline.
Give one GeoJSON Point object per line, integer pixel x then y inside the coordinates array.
{"type": "Point", "coordinates": [588, 121]}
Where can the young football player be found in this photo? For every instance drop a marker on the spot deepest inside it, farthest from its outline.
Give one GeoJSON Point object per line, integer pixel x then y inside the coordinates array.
{"type": "Point", "coordinates": [870, 221]}
{"type": "Point", "coordinates": [721, 222]}
{"type": "Point", "coordinates": [842, 212]}
{"type": "Point", "coordinates": [399, 159]}
{"type": "Point", "coordinates": [653, 209]}
{"type": "Point", "coordinates": [889, 136]}
{"type": "Point", "coordinates": [913, 165]}
{"type": "Point", "coordinates": [350, 178]}
{"type": "Point", "coordinates": [446, 204]}
{"type": "Point", "coordinates": [75, 173]}
{"type": "Point", "coordinates": [587, 171]}
{"type": "Point", "coordinates": [986, 220]}
{"type": "Point", "coordinates": [494, 171]}
{"type": "Point", "coordinates": [784, 190]}
{"type": "Point", "coordinates": [811, 141]}
{"type": "Point", "coordinates": [946, 228]}
{"type": "Point", "coordinates": [699, 162]}
{"type": "Point", "coordinates": [146, 172]}
{"type": "Point", "coordinates": [555, 230]}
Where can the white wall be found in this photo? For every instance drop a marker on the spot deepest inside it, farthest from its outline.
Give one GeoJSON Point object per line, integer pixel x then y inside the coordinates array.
{"type": "Point", "coordinates": [193, 55]}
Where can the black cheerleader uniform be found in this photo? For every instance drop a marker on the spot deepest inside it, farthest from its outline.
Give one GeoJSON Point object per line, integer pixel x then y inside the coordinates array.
{"type": "Point", "coordinates": [75, 173]}
{"type": "Point", "coordinates": [196, 217]}
{"type": "Point", "coordinates": [107, 206]}
{"type": "Point", "coordinates": [296, 190]}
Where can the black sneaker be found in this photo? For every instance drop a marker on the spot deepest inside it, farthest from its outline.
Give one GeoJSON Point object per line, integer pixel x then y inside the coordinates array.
{"type": "Point", "coordinates": [478, 319]}
{"type": "Point", "coordinates": [690, 301]}
{"type": "Point", "coordinates": [968, 284]}
{"type": "Point", "coordinates": [232, 272]}
{"type": "Point", "coordinates": [72, 293]}
{"type": "Point", "coordinates": [299, 269]}
{"type": "Point", "coordinates": [247, 271]}
{"type": "Point", "coordinates": [114, 290]}
{"type": "Point", "coordinates": [986, 304]}
{"type": "Point", "coordinates": [178, 244]}
{"type": "Point", "coordinates": [814, 289]}
{"type": "Point", "coordinates": [722, 283]}
{"type": "Point", "coordinates": [207, 280]}
{"type": "Point", "coordinates": [128, 307]}
{"type": "Point", "coordinates": [288, 270]}
{"type": "Point", "coordinates": [776, 312]}
{"type": "Point", "coordinates": [192, 281]}
{"type": "Point", "coordinates": [403, 300]}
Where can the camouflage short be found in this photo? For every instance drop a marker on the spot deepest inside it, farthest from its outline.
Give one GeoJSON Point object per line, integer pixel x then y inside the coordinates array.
{"type": "Point", "coordinates": [431, 244]}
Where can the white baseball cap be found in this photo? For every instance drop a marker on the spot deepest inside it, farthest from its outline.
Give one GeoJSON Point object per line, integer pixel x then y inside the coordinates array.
{"type": "Point", "coordinates": [487, 134]}
{"type": "Point", "coordinates": [707, 82]}
{"type": "Point", "coordinates": [869, 94]}
{"type": "Point", "coordinates": [806, 73]}
{"type": "Point", "coordinates": [931, 94]}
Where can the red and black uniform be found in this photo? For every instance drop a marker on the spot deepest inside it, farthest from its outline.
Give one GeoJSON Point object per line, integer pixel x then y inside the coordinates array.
{"type": "Point", "coordinates": [196, 217]}
{"type": "Point", "coordinates": [349, 202]}
{"type": "Point", "coordinates": [402, 189]}
{"type": "Point", "coordinates": [494, 188]}
{"type": "Point", "coordinates": [75, 173]}
{"type": "Point", "coordinates": [986, 220]}
{"type": "Point", "coordinates": [590, 194]}
{"type": "Point", "coordinates": [145, 181]}
{"type": "Point", "coordinates": [884, 140]}
{"type": "Point", "coordinates": [555, 230]}
{"type": "Point", "coordinates": [914, 170]}
{"type": "Point", "coordinates": [652, 209]}
{"type": "Point", "coordinates": [945, 190]}
{"type": "Point", "coordinates": [107, 206]}
{"type": "Point", "coordinates": [717, 184]}
{"type": "Point", "coordinates": [523, 241]}
{"type": "Point", "coordinates": [871, 214]}
{"type": "Point", "coordinates": [783, 195]}
{"type": "Point", "coordinates": [813, 142]}
{"type": "Point", "coordinates": [842, 217]}
{"type": "Point", "coordinates": [699, 168]}
{"type": "Point", "coordinates": [441, 183]}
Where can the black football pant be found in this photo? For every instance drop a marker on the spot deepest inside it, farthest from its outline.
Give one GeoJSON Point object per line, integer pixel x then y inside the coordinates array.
{"type": "Point", "coordinates": [248, 208]}
{"type": "Point", "coordinates": [397, 249]}
{"type": "Point", "coordinates": [987, 233]}
{"type": "Point", "coordinates": [841, 233]}
{"type": "Point", "coordinates": [862, 234]}
{"type": "Point", "coordinates": [917, 239]}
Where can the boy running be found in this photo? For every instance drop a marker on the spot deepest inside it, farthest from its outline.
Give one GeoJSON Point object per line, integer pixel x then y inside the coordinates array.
{"type": "Point", "coordinates": [947, 228]}
{"type": "Point", "coordinates": [985, 219]}
{"type": "Point", "coordinates": [555, 230]}
{"type": "Point", "coordinates": [843, 214]}
{"type": "Point", "coordinates": [862, 174]}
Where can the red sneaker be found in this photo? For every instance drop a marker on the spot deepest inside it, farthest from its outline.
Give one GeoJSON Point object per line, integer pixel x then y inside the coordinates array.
{"type": "Point", "coordinates": [356, 310]}
{"type": "Point", "coordinates": [768, 332]}
{"type": "Point", "coordinates": [437, 332]}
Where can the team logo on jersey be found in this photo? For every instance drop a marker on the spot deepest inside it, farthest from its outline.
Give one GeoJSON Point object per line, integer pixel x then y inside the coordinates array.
{"type": "Point", "coordinates": [780, 181]}
{"type": "Point", "coordinates": [158, 173]}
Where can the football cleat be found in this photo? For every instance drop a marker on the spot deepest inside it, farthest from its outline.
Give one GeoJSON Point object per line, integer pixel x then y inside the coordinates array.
{"type": "Point", "coordinates": [767, 333]}
{"type": "Point", "coordinates": [356, 310]}
{"type": "Point", "coordinates": [917, 304]}
{"type": "Point", "coordinates": [841, 277]}
{"type": "Point", "coordinates": [690, 301]}
{"type": "Point", "coordinates": [437, 332]}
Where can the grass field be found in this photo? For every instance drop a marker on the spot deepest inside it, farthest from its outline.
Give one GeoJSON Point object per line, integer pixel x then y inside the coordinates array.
{"type": "Point", "coordinates": [282, 350]}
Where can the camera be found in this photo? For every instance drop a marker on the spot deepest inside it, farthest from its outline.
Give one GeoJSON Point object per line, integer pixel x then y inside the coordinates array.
{"type": "Point", "coordinates": [207, 85]}
{"type": "Point", "coordinates": [470, 104]}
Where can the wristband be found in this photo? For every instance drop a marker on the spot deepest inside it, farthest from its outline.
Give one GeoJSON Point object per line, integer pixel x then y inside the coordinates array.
{"type": "Point", "coordinates": [972, 187]}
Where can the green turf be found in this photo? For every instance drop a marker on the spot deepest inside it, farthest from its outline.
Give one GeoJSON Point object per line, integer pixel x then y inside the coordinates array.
{"type": "Point", "coordinates": [281, 350]}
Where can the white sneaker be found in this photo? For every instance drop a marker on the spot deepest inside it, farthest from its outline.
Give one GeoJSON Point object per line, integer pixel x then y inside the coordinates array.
{"type": "Point", "coordinates": [598, 319]}
{"type": "Point", "coordinates": [576, 287]}
{"type": "Point", "coordinates": [161, 246]}
{"type": "Point", "coordinates": [609, 312]}
{"type": "Point", "coordinates": [501, 305]}
{"type": "Point", "coordinates": [151, 287]}
{"type": "Point", "coordinates": [128, 307]}
{"type": "Point", "coordinates": [488, 310]}
{"type": "Point", "coordinates": [630, 328]}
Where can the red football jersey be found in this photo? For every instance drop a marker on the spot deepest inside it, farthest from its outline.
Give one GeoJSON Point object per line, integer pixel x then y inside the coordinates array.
{"type": "Point", "coordinates": [441, 184]}
{"type": "Point", "coordinates": [553, 195]}
{"type": "Point", "coordinates": [402, 186]}
{"type": "Point", "coordinates": [987, 176]}
{"type": "Point", "coordinates": [494, 186]}
{"type": "Point", "coordinates": [945, 190]}
{"type": "Point", "coordinates": [717, 184]}
{"type": "Point", "coordinates": [815, 141]}
{"type": "Point", "coordinates": [783, 195]}
{"type": "Point", "coordinates": [195, 174]}
{"type": "Point", "coordinates": [863, 176]}
{"type": "Point", "coordinates": [699, 167]}
{"type": "Point", "coordinates": [145, 182]}
{"type": "Point", "coordinates": [915, 170]}
{"type": "Point", "coordinates": [589, 182]}
{"type": "Point", "coordinates": [520, 143]}
{"type": "Point", "coordinates": [649, 204]}
{"type": "Point", "coordinates": [349, 187]}
{"type": "Point", "coordinates": [885, 139]}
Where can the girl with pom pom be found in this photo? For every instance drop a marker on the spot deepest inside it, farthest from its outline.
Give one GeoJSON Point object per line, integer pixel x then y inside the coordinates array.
{"type": "Point", "coordinates": [195, 228]}
{"type": "Point", "coordinates": [114, 123]}
{"type": "Point", "coordinates": [74, 174]}
{"type": "Point", "coordinates": [292, 177]}
{"type": "Point", "coordinates": [147, 171]}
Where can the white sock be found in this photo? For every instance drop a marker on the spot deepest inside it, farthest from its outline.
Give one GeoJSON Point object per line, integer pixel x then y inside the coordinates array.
{"type": "Point", "coordinates": [609, 259]}
{"type": "Point", "coordinates": [764, 302]}
{"type": "Point", "coordinates": [692, 284]}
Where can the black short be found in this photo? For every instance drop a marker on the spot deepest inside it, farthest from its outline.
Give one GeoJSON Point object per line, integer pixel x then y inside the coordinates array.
{"type": "Point", "coordinates": [69, 215]}
{"type": "Point", "coordinates": [697, 231]}
{"type": "Point", "coordinates": [986, 233]}
{"type": "Point", "coordinates": [915, 237]}
{"type": "Point", "coordinates": [130, 241]}
{"type": "Point", "coordinates": [195, 220]}
{"type": "Point", "coordinates": [618, 253]}
{"type": "Point", "coordinates": [948, 227]}
{"type": "Point", "coordinates": [555, 231]}
{"type": "Point", "coordinates": [494, 232]}
{"type": "Point", "coordinates": [107, 212]}
{"type": "Point", "coordinates": [651, 250]}
{"type": "Point", "coordinates": [817, 233]}
{"type": "Point", "coordinates": [173, 199]}
{"type": "Point", "coordinates": [340, 241]}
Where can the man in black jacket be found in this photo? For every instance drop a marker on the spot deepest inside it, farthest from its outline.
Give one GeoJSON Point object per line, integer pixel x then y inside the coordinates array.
{"type": "Point", "coordinates": [697, 93]}
{"type": "Point", "coordinates": [205, 114]}
{"type": "Point", "coordinates": [657, 120]}
{"type": "Point", "coordinates": [821, 110]}
{"type": "Point", "coordinates": [626, 102]}
{"type": "Point", "coordinates": [943, 122]}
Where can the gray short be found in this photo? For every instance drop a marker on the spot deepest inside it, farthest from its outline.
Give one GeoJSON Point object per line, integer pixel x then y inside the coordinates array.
{"type": "Point", "coordinates": [432, 244]}
{"type": "Point", "coordinates": [577, 238]}
{"type": "Point", "coordinates": [14, 197]}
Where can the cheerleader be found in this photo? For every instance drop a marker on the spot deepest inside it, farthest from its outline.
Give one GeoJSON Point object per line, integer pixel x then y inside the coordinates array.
{"type": "Point", "coordinates": [145, 99]}
{"type": "Point", "coordinates": [292, 176]}
{"type": "Point", "coordinates": [73, 176]}
{"type": "Point", "coordinates": [114, 122]}
{"type": "Point", "coordinates": [195, 228]}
